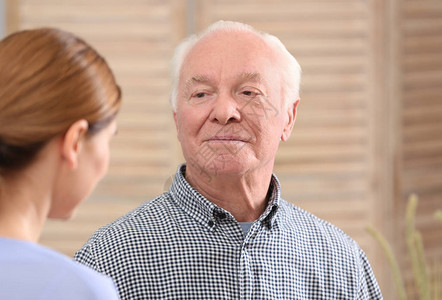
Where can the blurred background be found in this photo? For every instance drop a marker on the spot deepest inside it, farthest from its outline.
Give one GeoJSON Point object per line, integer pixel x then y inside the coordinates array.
{"type": "Point", "coordinates": [369, 126]}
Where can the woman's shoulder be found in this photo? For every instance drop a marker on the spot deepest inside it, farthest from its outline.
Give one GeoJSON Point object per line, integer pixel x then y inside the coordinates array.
{"type": "Point", "coordinates": [50, 273]}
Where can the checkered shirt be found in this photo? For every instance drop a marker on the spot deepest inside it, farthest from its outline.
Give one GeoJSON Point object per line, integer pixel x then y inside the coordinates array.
{"type": "Point", "coordinates": [182, 246]}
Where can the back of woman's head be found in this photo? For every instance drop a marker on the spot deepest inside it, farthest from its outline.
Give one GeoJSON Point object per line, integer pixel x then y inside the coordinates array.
{"type": "Point", "coordinates": [48, 80]}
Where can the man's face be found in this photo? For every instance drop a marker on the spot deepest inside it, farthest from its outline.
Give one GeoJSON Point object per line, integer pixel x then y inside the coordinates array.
{"type": "Point", "coordinates": [230, 116]}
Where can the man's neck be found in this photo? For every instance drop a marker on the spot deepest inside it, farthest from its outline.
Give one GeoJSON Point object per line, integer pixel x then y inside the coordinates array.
{"type": "Point", "coordinates": [244, 195]}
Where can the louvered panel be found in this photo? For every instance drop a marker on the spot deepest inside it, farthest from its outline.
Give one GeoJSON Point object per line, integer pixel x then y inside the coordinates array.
{"type": "Point", "coordinates": [98, 31]}
{"type": "Point", "coordinates": [422, 69]}
{"type": "Point", "coordinates": [325, 168]}
{"type": "Point", "coordinates": [327, 46]}
{"type": "Point", "coordinates": [329, 153]}
{"type": "Point", "coordinates": [421, 87]}
{"type": "Point", "coordinates": [416, 61]}
{"type": "Point", "coordinates": [306, 188]}
{"type": "Point", "coordinates": [133, 188]}
{"type": "Point", "coordinates": [344, 135]}
{"type": "Point", "coordinates": [351, 63]}
{"type": "Point", "coordinates": [327, 10]}
{"type": "Point", "coordinates": [422, 126]}
{"type": "Point", "coordinates": [137, 39]}
{"type": "Point", "coordinates": [428, 42]}
{"type": "Point", "coordinates": [422, 9]}
{"type": "Point", "coordinates": [94, 11]}
{"type": "Point", "coordinates": [331, 100]}
{"type": "Point", "coordinates": [417, 25]}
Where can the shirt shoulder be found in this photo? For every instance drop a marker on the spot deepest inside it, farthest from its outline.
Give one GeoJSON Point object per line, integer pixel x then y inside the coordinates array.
{"type": "Point", "coordinates": [305, 224]}
{"type": "Point", "coordinates": [331, 248]}
{"type": "Point", "coordinates": [147, 214]}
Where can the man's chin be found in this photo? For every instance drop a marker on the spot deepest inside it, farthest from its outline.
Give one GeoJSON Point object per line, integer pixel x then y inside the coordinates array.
{"type": "Point", "coordinates": [227, 168]}
{"type": "Point", "coordinates": [222, 164]}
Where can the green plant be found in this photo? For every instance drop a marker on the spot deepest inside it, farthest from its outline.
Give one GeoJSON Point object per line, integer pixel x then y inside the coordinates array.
{"type": "Point", "coordinates": [425, 287]}
{"type": "Point", "coordinates": [438, 215]}
{"type": "Point", "coordinates": [391, 261]}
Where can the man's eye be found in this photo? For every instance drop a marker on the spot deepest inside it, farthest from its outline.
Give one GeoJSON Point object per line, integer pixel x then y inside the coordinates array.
{"type": "Point", "coordinates": [249, 93]}
{"type": "Point", "coordinates": [200, 95]}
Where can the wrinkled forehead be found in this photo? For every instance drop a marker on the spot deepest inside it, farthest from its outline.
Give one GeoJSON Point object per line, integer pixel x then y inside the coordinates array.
{"type": "Point", "coordinates": [230, 51]}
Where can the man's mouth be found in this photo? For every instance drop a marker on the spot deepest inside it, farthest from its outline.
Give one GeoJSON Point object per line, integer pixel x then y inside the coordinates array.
{"type": "Point", "coordinates": [228, 139]}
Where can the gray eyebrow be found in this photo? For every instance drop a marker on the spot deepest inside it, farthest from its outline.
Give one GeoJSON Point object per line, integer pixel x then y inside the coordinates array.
{"type": "Point", "coordinates": [254, 76]}
{"type": "Point", "coordinates": [197, 79]}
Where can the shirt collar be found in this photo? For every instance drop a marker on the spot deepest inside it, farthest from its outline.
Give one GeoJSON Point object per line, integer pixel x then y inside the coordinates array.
{"type": "Point", "coordinates": [206, 212]}
{"type": "Point", "coordinates": [274, 196]}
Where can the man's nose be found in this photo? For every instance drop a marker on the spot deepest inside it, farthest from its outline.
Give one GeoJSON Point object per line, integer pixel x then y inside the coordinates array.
{"type": "Point", "coordinates": [225, 110]}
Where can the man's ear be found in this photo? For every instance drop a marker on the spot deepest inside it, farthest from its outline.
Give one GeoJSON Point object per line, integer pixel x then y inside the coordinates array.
{"type": "Point", "coordinates": [175, 118]}
{"type": "Point", "coordinates": [291, 113]}
{"type": "Point", "coordinates": [72, 142]}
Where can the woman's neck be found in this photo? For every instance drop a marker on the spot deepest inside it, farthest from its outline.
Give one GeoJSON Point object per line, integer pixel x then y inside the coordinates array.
{"type": "Point", "coordinates": [24, 205]}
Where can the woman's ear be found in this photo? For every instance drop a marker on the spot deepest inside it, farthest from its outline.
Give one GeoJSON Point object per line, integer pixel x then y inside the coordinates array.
{"type": "Point", "coordinates": [291, 113]}
{"type": "Point", "coordinates": [72, 142]}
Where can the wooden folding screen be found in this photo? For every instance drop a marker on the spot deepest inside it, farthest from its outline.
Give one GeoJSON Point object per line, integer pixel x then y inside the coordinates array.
{"type": "Point", "coordinates": [419, 78]}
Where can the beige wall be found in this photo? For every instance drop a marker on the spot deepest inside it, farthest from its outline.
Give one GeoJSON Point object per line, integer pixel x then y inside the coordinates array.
{"type": "Point", "coordinates": [369, 129]}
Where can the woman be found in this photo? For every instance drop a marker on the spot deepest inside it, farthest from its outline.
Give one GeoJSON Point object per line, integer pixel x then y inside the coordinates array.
{"type": "Point", "coordinates": [58, 102]}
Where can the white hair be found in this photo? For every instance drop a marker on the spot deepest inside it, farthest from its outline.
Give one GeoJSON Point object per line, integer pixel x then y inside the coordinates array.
{"type": "Point", "coordinates": [291, 70]}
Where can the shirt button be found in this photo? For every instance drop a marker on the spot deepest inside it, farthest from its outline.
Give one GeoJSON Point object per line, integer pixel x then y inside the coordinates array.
{"type": "Point", "coordinates": [210, 223]}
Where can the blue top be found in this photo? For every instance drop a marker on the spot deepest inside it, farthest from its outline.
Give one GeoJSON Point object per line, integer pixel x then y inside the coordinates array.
{"type": "Point", "coordinates": [182, 246]}
{"type": "Point", "coordinates": [31, 271]}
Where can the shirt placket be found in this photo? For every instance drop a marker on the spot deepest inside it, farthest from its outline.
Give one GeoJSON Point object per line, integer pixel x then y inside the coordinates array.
{"type": "Point", "coordinates": [246, 263]}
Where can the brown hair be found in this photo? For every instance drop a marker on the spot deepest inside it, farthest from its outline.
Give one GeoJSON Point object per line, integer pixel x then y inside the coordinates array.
{"type": "Point", "coordinates": [49, 79]}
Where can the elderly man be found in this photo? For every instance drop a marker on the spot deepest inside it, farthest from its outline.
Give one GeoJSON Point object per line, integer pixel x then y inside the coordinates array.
{"type": "Point", "coordinates": [222, 231]}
